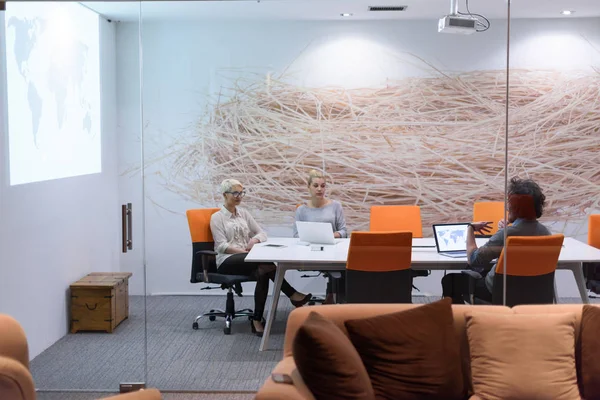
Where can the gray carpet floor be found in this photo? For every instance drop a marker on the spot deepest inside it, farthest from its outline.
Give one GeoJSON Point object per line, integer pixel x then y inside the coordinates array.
{"type": "Point", "coordinates": [179, 358]}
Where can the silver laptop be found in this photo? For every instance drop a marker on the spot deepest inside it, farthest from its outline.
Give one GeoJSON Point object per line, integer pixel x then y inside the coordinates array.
{"type": "Point", "coordinates": [315, 232]}
{"type": "Point", "coordinates": [451, 239]}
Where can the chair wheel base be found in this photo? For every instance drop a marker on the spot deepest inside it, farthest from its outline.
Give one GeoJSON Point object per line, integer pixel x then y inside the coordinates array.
{"type": "Point", "coordinates": [230, 313]}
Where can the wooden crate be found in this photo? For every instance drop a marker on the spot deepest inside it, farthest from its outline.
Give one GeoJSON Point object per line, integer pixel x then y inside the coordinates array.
{"type": "Point", "coordinates": [100, 301]}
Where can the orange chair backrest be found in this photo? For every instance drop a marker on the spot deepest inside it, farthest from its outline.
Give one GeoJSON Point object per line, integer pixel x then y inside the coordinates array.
{"type": "Point", "coordinates": [489, 211]}
{"type": "Point", "coordinates": [530, 255]}
{"type": "Point", "coordinates": [379, 251]}
{"type": "Point", "coordinates": [199, 222]}
{"type": "Point", "coordinates": [396, 218]}
{"type": "Point", "coordinates": [594, 230]}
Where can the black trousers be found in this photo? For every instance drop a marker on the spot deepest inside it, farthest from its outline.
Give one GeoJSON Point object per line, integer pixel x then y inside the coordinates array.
{"type": "Point", "coordinates": [235, 265]}
{"type": "Point", "coordinates": [457, 287]}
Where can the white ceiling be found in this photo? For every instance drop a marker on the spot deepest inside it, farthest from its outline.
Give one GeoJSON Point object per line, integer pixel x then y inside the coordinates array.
{"type": "Point", "coordinates": [331, 9]}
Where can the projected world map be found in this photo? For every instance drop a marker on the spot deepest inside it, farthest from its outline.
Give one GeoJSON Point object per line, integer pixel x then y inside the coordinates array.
{"type": "Point", "coordinates": [58, 79]}
{"type": "Point", "coordinates": [53, 76]}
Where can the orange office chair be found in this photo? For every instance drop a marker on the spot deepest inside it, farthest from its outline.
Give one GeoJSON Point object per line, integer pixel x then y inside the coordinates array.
{"type": "Point", "coordinates": [530, 267]}
{"type": "Point", "coordinates": [489, 211]}
{"type": "Point", "coordinates": [204, 268]}
{"type": "Point", "coordinates": [396, 218]}
{"type": "Point", "coordinates": [378, 268]}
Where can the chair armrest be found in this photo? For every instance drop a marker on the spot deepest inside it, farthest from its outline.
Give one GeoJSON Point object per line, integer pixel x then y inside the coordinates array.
{"type": "Point", "coordinates": [472, 274]}
{"type": "Point", "coordinates": [146, 394]}
{"type": "Point", "coordinates": [207, 252]}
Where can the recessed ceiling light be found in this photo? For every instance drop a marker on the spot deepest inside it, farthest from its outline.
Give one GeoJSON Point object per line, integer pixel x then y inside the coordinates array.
{"type": "Point", "coordinates": [346, 14]}
{"type": "Point", "coordinates": [567, 12]}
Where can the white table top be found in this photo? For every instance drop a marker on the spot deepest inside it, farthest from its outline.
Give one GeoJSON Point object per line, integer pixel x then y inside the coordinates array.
{"type": "Point", "coordinates": [573, 251]}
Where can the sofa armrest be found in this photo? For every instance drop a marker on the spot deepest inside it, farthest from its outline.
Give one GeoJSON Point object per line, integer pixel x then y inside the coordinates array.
{"type": "Point", "coordinates": [15, 380]}
{"type": "Point", "coordinates": [145, 394]}
{"type": "Point", "coordinates": [283, 391]}
{"type": "Point", "coordinates": [13, 343]}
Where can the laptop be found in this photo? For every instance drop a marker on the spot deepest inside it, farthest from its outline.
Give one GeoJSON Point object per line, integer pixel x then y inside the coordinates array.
{"type": "Point", "coordinates": [315, 232]}
{"type": "Point", "coordinates": [451, 239]}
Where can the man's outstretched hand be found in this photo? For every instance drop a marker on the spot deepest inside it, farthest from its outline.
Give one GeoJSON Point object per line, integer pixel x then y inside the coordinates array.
{"type": "Point", "coordinates": [482, 227]}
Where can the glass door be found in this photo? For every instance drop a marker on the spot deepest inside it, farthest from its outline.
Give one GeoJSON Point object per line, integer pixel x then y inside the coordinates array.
{"type": "Point", "coordinates": [71, 225]}
{"type": "Point", "coordinates": [266, 92]}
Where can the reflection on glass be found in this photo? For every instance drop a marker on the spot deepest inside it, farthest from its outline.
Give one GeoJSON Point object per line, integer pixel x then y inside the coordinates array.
{"type": "Point", "coordinates": [387, 109]}
{"type": "Point", "coordinates": [553, 131]}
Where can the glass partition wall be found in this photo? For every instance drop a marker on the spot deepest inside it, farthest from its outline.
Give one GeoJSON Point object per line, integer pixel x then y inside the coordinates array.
{"type": "Point", "coordinates": [554, 139]}
{"type": "Point", "coordinates": [71, 220]}
{"type": "Point", "coordinates": [387, 109]}
{"type": "Point", "coordinates": [379, 106]}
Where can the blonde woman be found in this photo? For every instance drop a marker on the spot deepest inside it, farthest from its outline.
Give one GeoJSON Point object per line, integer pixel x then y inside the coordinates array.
{"type": "Point", "coordinates": [235, 232]}
{"type": "Point", "coordinates": [319, 208]}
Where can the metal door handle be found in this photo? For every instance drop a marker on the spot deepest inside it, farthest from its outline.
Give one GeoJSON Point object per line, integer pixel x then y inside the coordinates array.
{"type": "Point", "coordinates": [129, 227]}
{"type": "Point", "coordinates": [126, 227]}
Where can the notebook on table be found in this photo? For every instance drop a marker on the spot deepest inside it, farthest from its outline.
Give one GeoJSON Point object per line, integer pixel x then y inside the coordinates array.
{"type": "Point", "coordinates": [451, 239]}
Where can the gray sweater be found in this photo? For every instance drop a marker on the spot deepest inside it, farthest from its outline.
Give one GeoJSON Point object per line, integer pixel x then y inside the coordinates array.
{"type": "Point", "coordinates": [331, 213]}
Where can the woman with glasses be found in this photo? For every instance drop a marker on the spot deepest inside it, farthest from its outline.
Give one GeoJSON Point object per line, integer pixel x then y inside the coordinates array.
{"type": "Point", "coordinates": [321, 209]}
{"type": "Point", "coordinates": [235, 232]}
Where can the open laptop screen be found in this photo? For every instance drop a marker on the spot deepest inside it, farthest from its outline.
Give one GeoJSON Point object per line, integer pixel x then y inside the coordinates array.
{"type": "Point", "coordinates": [450, 237]}
{"type": "Point", "coordinates": [315, 232]}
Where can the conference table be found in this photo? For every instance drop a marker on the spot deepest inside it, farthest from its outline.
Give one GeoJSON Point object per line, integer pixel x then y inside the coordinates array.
{"type": "Point", "coordinates": [290, 255]}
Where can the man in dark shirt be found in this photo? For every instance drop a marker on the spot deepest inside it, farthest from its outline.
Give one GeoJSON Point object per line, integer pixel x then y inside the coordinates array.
{"type": "Point", "coordinates": [525, 205]}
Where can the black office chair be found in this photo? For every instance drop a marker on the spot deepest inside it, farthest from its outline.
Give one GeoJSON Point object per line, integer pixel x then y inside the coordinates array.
{"type": "Point", "coordinates": [204, 269]}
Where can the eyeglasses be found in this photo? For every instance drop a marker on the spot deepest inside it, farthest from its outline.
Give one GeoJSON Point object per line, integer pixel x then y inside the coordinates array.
{"type": "Point", "coordinates": [237, 194]}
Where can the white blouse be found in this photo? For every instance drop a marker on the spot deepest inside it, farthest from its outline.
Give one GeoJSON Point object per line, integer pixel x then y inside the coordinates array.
{"type": "Point", "coordinates": [233, 230]}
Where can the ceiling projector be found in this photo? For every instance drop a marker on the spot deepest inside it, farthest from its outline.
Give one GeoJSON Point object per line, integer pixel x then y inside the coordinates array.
{"type": "Point", "coordinates": [464, 25]}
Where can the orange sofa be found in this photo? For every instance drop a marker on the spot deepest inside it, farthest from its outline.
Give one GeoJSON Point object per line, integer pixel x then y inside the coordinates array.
{"type": "Point", "coordinates": [340, 313]}
{"type": "Point", "coordinates": [16, 382]}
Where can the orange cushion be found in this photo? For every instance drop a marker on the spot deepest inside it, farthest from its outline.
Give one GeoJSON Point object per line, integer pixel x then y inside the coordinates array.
{"type": "Point", "coordinates": [328, 363]}
{"type": "Point", "coordinates": [590, 352]}
{"type": "Point", "coordinates": [518, 356]}
{"type": "Point", "coordinates": [412, 354]}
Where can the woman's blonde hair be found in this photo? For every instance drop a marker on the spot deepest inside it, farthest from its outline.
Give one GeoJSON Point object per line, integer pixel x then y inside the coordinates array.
{"type": "Point", "coordinates": [314, 174]}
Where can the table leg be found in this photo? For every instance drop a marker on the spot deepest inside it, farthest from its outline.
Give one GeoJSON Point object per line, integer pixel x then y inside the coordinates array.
{"type": "Point", "coordinates": [577, 269]}
{"type": "Point", "coordinates": [555, 291]}
{"type": "Point", "coordinates": [279, 275]}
